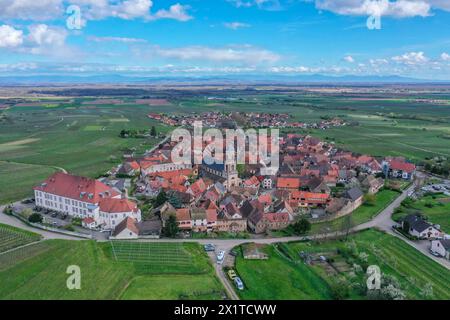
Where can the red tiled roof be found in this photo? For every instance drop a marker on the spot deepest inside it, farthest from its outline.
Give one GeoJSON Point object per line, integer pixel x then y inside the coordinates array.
{"type": "Point", "coordinates": [211, 215]}
{"type": "Point", "coordinates": [127, 223]}
{"type": "Point", "coordinates": [198, 187]}
{"type": "Point", "coordinates": [276, 217]}
{"type": "Point", "coordinates": [88, 220]}
{"type": "Point", "coordinates": [183, 214]}
{"type": "Point", "coordinates": [291, 183]}
{"type": "Point", "coordinates": [117, 205]}
{"type": "Point", "coordinates": [404, 166]}
{"type": "Point", "coordinates": [253, 181]}
{"type": "Point", "coordinates": [77, 188]}
{"type": "Point", "coordinates": [310, 197]}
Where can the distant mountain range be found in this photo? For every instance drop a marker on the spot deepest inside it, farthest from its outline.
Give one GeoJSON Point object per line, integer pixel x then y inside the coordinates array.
{"type": "Point", "coordinates": [228, 79]}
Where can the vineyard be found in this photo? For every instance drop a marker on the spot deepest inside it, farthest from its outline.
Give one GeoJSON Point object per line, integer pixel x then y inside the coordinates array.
{"type": "Point", "coordinates": [11, 237]}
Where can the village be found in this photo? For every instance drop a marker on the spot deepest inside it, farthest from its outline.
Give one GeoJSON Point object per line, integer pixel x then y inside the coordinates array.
{"type": "Point", "coordinates": [147, 196]}
{"type": "Point", "coordinates": [232, 120]}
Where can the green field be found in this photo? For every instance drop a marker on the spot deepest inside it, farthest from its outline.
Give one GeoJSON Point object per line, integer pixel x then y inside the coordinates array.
{"type": "Point", "coordinates": [11, 237]}
{"type": "Point", "coordinates": [39, 272]}
{"type": "Point", "coordinates": [361, 215]}
{"type": "Point", "coordinates": [81, 139]}
{"type": "Point", "coordinates": [436, 208]}
{"type": "Point", "coordinates": [17, 179]}
{"type": "Point", "coordinates": [82, 136]}
{"type": "Point", "coordinates": [174, 287]}
{"type": "Point", "coordinates": [279, 278]}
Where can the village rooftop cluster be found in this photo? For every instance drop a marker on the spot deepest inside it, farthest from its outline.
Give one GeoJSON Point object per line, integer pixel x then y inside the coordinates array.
{"type": "Point", "coordinates": [222, 197]}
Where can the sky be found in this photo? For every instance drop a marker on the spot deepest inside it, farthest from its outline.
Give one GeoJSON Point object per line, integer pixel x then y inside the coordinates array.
{"type": "Point", "coordinates": [408, 38]}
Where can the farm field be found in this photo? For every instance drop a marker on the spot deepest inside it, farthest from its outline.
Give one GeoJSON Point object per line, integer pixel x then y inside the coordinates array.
{"type": "Point", "coordinates": [412, 270]}
{"type": "Point", "coordinates": [16, 179]}
{"type": "Point", "coordinates": [174, 287]}
{"type": "Point", "coordinates": [436, 208]}
{"type": "Point", "coordinates": [40, 273]}
{"type": "Point", "coordinates": [361, 215]}
{"type": "Point", "coordinates": [11, 237]}
{"type": "Point", "coordinates": [83, 140]}
{"type": "Point", "coordinates": [278, 278]}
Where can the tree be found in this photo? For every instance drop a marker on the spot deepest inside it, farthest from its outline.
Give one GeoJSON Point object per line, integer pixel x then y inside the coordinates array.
{"type": "Point", "coordinates": [153, 131]}
{"type": "Point", "coordinates": [370, 199]}
{"type": "Point", "coordinates": [302, 226]}
{"type": "Point", "coordinates": [35, 218]}
{"type": "Point", "coordinates": [161, 198]}
{"type": "Point", "coordinates": [347, 225]}
{"type": "Point", "coordinates": [171, 228]}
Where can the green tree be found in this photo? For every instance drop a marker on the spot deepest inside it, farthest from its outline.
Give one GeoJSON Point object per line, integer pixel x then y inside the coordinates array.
{"type": "Point", "coordinates": [370, 199]}
{"type": "Point", "coordinates": [302, 226]}
{"type": "Point", "coordinates": [153, 131]}
{"type": "Point", "coordinates": [171, 228]}
{"type": "Point", "coordinates": [160, 199]}
{"type": "Point", "coordinates": [35, 218]}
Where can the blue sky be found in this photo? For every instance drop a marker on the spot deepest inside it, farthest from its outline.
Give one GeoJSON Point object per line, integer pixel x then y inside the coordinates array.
{"type": "Point", "coordinates": [220, 37]}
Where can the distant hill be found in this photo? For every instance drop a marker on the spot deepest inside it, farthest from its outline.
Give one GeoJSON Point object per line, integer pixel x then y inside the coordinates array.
{"type": "Point", "coordinates": [257, 79]}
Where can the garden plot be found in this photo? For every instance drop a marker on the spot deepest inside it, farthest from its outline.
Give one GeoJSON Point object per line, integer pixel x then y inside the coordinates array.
{"type": "Point", "coordinates": [11, 238]}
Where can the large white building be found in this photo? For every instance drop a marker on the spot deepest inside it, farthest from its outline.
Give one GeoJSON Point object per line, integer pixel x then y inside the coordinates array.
{"type": "Point", "coordinates": [93, 201]}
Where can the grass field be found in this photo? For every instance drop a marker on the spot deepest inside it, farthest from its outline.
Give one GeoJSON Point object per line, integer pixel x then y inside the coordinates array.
{"type": "Point", "coordinates": [361, 215]}
{"type": "Point", "coordinates": [174, 287]}
{"type": "Point", "coordinates": [39, 272]}
{"type": "Point", "coordinates": [11, 237]}
{"type": "Point", "coordinates": [17, 179]}
{"type": "Point", "coordinates": [435, 207]}
{"type": "Point", "coordinates": [279, 278]}
{"type": "Point", "coordinates": [81, 139]}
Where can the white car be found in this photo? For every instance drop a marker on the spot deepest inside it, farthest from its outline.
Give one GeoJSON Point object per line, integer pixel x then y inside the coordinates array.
{"type": "Point", "coordinates": [220, 256]}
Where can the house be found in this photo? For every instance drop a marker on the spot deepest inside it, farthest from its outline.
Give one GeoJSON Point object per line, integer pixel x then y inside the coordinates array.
{"type": "Point", "coordinates": [126, 230]}
{"type": "Point", "coordinates": [150, 228]}
{"type": "Point", "coordinates": [89, 223]}
{"type": "Point", "coordinates": [441, 247]}
{"type": "Point", "coordinates": [226, 223]}
{"type": "Point", "coordinates": [398, 168]}
{"type": "Point", "coordinates": [288, 183]}
{"type": "Point", "coordinates": [372, 184]}
{"type": "Point", "coordinates": [269, 182]}
{"type": "Point", "coordinates": [252, 182]}
{"type": "Point", "coordinates": [183, 217]}
{"type": "Point", "coordinates": [85, 198]}
{"type": "Point", "coordinates": [418, 227]}
{"type": "Point", "coordinates": [305, 199]}
{"type": "Point", "coordinates": [355, 196]}
{"type": "Point", "coordinates": [199, 220]}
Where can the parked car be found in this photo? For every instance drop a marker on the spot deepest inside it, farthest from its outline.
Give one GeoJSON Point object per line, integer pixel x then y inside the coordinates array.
{"type": "Point", "coordinates": [63, 216]}
{"type": "Point", "coordinates": [54, 214]}
{"type": "Point", "coordinates": [220, 257]}
{"type": "Point", "coordinates": [435, 254]}
{"type": "Point", "coordinates": [234, 253]}
{"type": "Point", "coordinates": [232, 274]}
{"type": "Point", "coordinates": [209, 247]}
{"type": "Point", "coordinates": [239, 284]}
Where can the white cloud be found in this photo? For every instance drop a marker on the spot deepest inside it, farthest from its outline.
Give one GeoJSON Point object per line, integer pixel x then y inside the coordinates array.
{"type": "Point", "coordinates": [43, 35]}
{"type": "Point", "coordinates": [349, 59]}
{"type": "Point", "coordinates": [261, 4]}
{"type": "Point", "coordinates": [236, 25]}
{"type": "Point", "coordinates": [35, 10]}
{"type": "Point", "coordinates": [116, 39]}
{"type": "Point", "coordinates": [411, 58]}
{"type": "Point", "coordinates": [399, 8]}
{"type": "Point", "coordinates": [233, 54]}
{"type": "Point", "coordinates": [10, 37]}
{"type": "Point", "coordinates": [176, 12]}
{"type": "Point", "coordinates": [131, 9]}
{"type": "Point", "coordinates": [445, 56]}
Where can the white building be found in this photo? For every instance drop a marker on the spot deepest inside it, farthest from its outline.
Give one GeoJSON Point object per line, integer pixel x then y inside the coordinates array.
{"type": "Point", "coordinates": [85, 198]}
{"type": "Point", "coordinates": [441, 247]}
